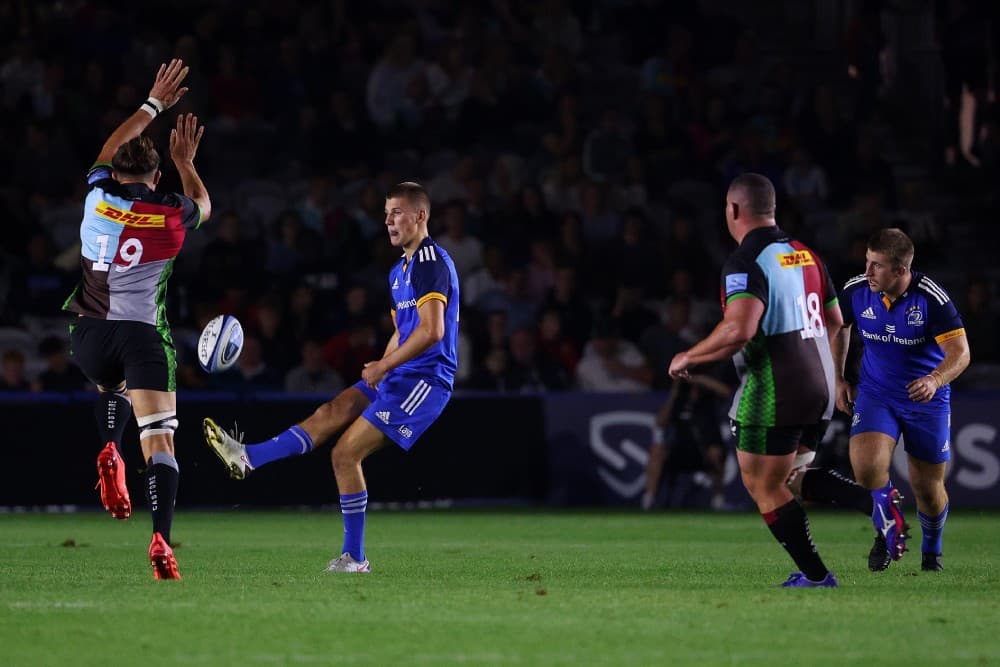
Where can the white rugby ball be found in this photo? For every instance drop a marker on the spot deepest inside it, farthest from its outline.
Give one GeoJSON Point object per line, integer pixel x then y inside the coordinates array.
{"type": "Point", "coordinates": [220, 344]}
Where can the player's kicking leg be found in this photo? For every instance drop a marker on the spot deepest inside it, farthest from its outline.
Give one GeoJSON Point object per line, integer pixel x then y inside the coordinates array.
{"type": "Point", "coordinates": [327, 420]}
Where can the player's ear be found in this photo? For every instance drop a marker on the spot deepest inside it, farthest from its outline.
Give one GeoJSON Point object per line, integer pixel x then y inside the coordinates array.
{"type": "Point", "coordinates": [736, 210]}
{"type": "Point", "coordinates": [156, 177]}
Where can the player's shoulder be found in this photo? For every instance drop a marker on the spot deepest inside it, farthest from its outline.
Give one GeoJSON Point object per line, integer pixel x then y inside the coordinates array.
{"type": "Point", "coordinates": [99, 176]}
{"type": "Point", "coordinates": [930, 289]}
{"type": "Point", "coordinates": [855, 283]}
{"type": "Point", "coordinates": [430, 258]}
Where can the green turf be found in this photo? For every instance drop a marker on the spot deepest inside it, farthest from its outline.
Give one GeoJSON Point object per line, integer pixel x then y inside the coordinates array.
{"type": "Point", "coordinates": [479, 588]}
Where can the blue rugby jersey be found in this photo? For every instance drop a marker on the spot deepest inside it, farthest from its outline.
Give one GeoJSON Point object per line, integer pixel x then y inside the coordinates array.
{"type": "Point", "coordinates": [786, 369]}
{"type": "Point", "coordinates": [429, 275]}
{"type": "Point", "coordinates": [901, 338]}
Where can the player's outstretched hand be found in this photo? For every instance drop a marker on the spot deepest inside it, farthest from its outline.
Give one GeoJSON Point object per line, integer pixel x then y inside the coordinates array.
{"type": "Point", "coordinates": [845, 396]}
{"type": "Point", "coordinates": [922, 389]}
{"type": "Point", "coordinates": [184, 138]}
{"type": "Point", "coordinates": [167, 87]}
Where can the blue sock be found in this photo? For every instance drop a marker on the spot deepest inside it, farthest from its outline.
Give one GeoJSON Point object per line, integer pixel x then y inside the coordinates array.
{"type": "Point", "coordinates": [292, 442]}
{"type": "Point", "coordinates": [353, 507]}
{"type": "Point", "coordinates": [933, 527]}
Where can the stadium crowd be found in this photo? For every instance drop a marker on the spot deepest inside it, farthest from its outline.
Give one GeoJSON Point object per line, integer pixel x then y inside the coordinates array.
{"type": "Point", "coordinates": [576, 154]}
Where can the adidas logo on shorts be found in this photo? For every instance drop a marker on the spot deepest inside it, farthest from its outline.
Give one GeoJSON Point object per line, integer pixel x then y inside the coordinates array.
{"type": "Point", "coordinates": [868, 314]}
{"type": "Point", "coordinates": [384, 416]}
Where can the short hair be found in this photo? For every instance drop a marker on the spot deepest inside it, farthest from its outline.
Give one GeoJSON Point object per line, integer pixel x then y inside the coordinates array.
{"type": "Point", "coordinates": [414, 193]}
{"type": "Point", "coordinates": [136, 157]}
{"type": "Point", "coordinates": [894, 244]}
{"type": "Point", "coordinates": [758, 192]}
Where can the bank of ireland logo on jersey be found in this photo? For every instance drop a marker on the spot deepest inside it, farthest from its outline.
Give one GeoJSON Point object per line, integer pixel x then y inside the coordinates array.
{"type": "Point", "coordinates": [736, 282]}
{"type": "Point", "coordinates": [914, 316]}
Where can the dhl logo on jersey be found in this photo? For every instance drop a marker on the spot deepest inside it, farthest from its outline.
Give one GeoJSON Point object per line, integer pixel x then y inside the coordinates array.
{"type": "Point", "coordinates": [129, 219]}
{"type": "Point", "coordinates": [790, 260]}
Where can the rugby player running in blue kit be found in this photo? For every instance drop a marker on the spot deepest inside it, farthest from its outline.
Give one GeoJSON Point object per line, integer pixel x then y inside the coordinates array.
{"type": "Point", "coordinates": [914, 346]}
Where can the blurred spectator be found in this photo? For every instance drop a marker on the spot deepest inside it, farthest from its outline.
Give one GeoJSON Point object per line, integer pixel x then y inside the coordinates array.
{"type": "Point", "coordinates": [506, 180]}
{"type": "Point", "coordinates": [517, 301]}
{"type": "Point", "coordinates": [230, 258]}
{"type": "Point", "coordinates": [666, 148]}
{"type": "Point", "coordinates": [869, 173]}
{"type": "Point", "coordinates": [554, 343]}
{"type": "Point", "coordinates": [466, 251]}
{"type": "Point", "coordinates": [669, 72]}
{"type": "Point", "coordinates": [967, 53]}
{"type": "Point", "coordinates": [661, 341]}
{"type": "Point", "coordinates": [632, 316]}
{"type": "Point", "coordinates": [528, 370]}
{"type": "Point", "coordinates": [389, 80]}
{"type": "Point", "coordinates": [491, 375]}
{"type": "Point", "coordinates": [37, 286]}
{"type": "Point", "coordinates": [982, 321]}
{"type": "Point", "coordinates": [805, 182]}
{"type": "Point", "coordinates": [450, 80]}
{"type": "Point", "coordinates": [607, 149]}
{"type": "Point", "coordinates": [21, 75]}
{"type": "Point", "coordinates": [12, 369]}
{"type": "Point", "coordinates": [235, 94]}
{"type": "Point", "coordinates": [59, 374]}
{"type": "Point", "coordinates": [253, 372]}
{"type": "Point", "coordinates": [347, 352]}
{"type": "Point", "coordinates": [277, 343]}
{"type": "Point", "coordinates": [541, 269]}
{"type": "Point", "coordinates": [611, 363]}
{"type": "Point", "coordinates": [563, 184]}
{"type": "Point", "coordinates": [286, 247]}
{"type": "Point", "coordinates": [566, 299]}
{"type": "Point", "coordinates": [633, 254]}
{"type": "Point", "coordinates": [483, 287]}
{"type": "Point", "coordinates": [556, 24]}
{"type": "Point", "coordinates": [313, 375]}
{"type": "Point", "coordinates": [453, 184]}
{"type": "Point", "coordinates": [600, 222]}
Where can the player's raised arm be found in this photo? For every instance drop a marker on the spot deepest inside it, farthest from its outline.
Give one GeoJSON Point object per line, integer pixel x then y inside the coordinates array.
{"type": "Point", "coordinates": [184, 141]}
{"type": "Point", "coordinates": [165, 93]}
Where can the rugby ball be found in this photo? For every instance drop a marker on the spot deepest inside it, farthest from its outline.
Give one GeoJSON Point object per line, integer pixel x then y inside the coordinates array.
{"type": "Point", "coordinates": [220, 344]}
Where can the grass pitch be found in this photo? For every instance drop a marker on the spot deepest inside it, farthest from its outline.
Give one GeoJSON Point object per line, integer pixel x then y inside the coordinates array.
{"type": "Point", "coordinates": [487, 588]}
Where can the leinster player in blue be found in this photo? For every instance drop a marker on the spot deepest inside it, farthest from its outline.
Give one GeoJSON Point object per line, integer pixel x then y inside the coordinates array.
{"type": "Point", "coordinates": [914, 346]}
{"type": "Point", "coordinates": [399, 396]}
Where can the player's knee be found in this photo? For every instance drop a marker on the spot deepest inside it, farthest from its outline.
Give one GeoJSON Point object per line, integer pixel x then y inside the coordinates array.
{"type": "Point", "coordinates": [343, 457]}
{"type": "Point", "coordinates": [330, 417]}
{"type": "Point", "coordinates": [157, 424]}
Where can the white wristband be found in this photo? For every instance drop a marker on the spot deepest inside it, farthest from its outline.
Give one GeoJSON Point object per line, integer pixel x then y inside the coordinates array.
{"type": "Point", "coordinates": [158, 104]}
{"type": "Point", "coordinates": [150, 109]}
